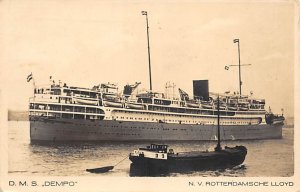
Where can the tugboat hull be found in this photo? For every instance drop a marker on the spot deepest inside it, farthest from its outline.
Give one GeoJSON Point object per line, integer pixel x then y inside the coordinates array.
{"type": "Point", "coordinates": [192, 161]}
{"type": "Point", "coordinates": [226, 158]}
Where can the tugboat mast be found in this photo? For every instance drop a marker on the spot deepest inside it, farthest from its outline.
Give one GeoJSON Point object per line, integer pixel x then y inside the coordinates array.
{"type": "Point", "coordinates": [145, 13]}
{"type": "Point", "coordinates": [218, 147]}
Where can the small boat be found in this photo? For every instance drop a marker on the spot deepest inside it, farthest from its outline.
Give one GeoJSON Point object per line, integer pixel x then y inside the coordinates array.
{"type": "Point", "coordinates": [110, 97]}
{"type": "Point", "coordinates": [193, 105]}
{"type": "Point", "coordinates": [134, 106]}
{"type": "Point", "coordinates": [232, 108]}
{"type": "Point", "coordinates": [207, 105]}
{"type": "Point", "coordinates": [274, 119]}
{"type": "Point", "coordinates": [113, 104]}
{"type": "Point", "coordinates": [243, 108]}
{"type": "Point", "coordinates": [223, 107]}
{"type": "Point", "coordinates": [100, 170]}
{"type": "Point", "coordinates": [157, 157]}
{"type": "Point", "coordinates": [85, 101]}
{"type": "Point", "coordinates": [104, 169]}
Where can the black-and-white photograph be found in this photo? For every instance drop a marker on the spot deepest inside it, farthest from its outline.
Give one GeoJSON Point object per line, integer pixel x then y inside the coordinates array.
{"type": "Point", "coordinates": [148, 89]}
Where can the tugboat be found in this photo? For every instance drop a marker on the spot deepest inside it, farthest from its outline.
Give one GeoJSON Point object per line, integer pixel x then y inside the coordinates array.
{"type": "Point", "coordinates": [157, 157]}
{"type": "Point", "coordinates": [274, 119]}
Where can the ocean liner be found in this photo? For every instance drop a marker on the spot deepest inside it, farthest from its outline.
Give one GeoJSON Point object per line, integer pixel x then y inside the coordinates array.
{"type": "Point", "coordinates": [64, 113]}
{"type": "Point", "coordinates": [59, 112]}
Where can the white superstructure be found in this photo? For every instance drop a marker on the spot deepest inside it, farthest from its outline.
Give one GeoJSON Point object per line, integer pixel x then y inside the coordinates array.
{"type": "Point", "coordinates": [146, 110]}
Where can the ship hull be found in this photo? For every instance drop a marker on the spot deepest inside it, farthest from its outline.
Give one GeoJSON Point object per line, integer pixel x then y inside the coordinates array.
{"type": "Point", "coordinates": [225, 158]}
{"type": "Point", "coordinates": [44, 129]}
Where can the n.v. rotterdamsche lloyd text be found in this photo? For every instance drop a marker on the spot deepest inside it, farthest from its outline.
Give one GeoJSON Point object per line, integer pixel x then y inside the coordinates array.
{"type": "Point", "coordinates": [241, 184]}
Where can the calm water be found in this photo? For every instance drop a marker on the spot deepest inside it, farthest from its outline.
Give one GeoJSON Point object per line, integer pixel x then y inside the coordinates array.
{"type": "Point", "coordinates": [264, 158]}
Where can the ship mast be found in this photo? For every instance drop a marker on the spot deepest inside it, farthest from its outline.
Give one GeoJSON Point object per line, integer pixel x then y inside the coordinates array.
{"type": "Point", "coordinates": [240, 78]}
{"type": "Point", "coordinates": [239, 65]}
{"type": "Point", "coordinates": [145, 13]}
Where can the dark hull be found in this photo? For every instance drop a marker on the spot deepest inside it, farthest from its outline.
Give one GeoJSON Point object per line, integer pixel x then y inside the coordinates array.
{"type": "Point", "coordinates": [108, 130]}
{"type": "Point", "coordinates": [100, 170]}
{"type": "Point", "coordinates": [192, 161]}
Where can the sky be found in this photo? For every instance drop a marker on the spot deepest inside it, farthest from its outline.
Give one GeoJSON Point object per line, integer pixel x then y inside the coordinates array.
{"type": "Point", "coordinates": [84, 43]}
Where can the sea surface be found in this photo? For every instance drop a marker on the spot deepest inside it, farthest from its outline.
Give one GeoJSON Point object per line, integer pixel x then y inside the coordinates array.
{"type": "Point", "coordinates": [270, 158]}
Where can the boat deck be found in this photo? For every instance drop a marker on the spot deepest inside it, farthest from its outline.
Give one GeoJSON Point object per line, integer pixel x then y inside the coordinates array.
{"type": "Point", "coordinates": [203, 153]}
{"type": "Point", "coordinates": [195, 154]}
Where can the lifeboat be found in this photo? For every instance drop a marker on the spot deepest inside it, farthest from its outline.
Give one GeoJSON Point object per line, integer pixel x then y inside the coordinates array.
{"type": "Point", "coordinates": [207, 105]}
{"type": "Point", "coordinates": [232, 108]}
{"type": "Point", "coordinates": [194, 105]}
{"type": "Point", "coordinates": [113, 104]}
{"type": "Point", "coordinates": [223, 107]}
{"type": "Point", "coordinates": [111, 97]}
{"type": "Point", "coordinates": [85, 101]}
{"type": "Point", "coordinates": [243, 108]}
{"type": "Point", "coordinates": [134, 106]}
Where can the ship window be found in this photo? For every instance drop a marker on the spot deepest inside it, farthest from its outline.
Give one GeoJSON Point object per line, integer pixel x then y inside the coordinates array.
{"type": "Point", "coordinates": [68, 116]}
{"type": "Point", "coordinates": [78, 116]}
{"type": "Point", "coordinates": [156, 155]}
{"type": "Point", "coordinates": [67, 108]}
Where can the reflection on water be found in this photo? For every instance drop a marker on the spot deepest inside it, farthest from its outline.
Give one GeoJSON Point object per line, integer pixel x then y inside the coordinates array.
{"type": "Point", "coordinates": [264, 158]}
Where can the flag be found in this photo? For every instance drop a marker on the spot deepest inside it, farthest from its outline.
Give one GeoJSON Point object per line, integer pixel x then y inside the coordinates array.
{"type": "Point", "coordinates": [29, 77]}
{"type": "Point", "coordinates": [226, 68]}
{"type": "Point", "coordinates": [144, 12]}
{"type": "Point", "coordinates": [236, 40]}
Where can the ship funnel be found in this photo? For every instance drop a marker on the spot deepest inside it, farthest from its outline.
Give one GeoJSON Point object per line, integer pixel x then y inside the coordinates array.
{"type": "Point", "coordinates": [201, 89]}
